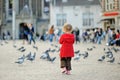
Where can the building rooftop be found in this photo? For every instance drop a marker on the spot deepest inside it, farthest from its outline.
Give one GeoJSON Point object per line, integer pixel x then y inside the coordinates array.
{"type": "Point", "coordinates": [76, 2]}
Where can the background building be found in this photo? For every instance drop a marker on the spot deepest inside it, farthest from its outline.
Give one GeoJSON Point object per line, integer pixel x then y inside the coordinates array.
{"type": "Point", "coordinates": [111, 13]}
{"type": "Point", "coordinates": [26, 11]}
{"type": "Point", "coordinates": [84, 14]}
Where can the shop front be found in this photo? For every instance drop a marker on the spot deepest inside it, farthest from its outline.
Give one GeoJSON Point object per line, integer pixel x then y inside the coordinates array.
{"type": "Point", "coordinates": [111, 19]}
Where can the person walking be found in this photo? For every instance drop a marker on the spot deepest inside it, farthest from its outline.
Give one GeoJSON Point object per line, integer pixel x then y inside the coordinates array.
{"type": "Point", "coordinates": [66, 51]}
{"type": "Point", "coordinates": [31, 33]}
{"type": "Point", "coordinates": [51, 33]}
{"type": "Point", "coordinates": [26, 32]}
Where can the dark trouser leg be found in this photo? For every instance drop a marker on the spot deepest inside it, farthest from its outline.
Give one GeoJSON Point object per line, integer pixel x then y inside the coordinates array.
{"type": "Point", "coordinates": [63, 62]}
{"type": "Point", "coordinates": [68, 63]}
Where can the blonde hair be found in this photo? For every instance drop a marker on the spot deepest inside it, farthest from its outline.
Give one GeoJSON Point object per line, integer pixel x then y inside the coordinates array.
{"type": "Point", "coordinates": [67, 28]}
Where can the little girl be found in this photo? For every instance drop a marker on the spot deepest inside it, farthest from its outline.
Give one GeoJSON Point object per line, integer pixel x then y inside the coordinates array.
{"type": "Point", "coordinates": [66, 52]}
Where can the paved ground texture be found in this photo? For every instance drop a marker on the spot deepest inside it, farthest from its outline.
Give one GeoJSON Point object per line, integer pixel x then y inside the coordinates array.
{"type": "Point", "coordinates": [83, 69]}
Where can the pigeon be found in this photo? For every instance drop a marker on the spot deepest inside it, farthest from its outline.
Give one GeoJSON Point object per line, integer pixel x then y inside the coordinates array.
{"type": "Point", "coordinates": [23, 57]}
{"type": "Point", "coordinates": [112, 60]}
{"type": "Point", "coordinates": [116, 50]}
{"type": "Point", "coordinates": [46, 55]}
{"type": "Point", "coordinates": [53, 59]}
{"type": "Point", "coordinates": [20, 60]}
{"type": "Point", "coordinates": [89, 49]}
{"type": "Point", "coordinates": [21, 48]}
{"type": "Point", "coordinates": [52, 50]}
{"type": "Point", "coordinates": [109, 55]}
{"type": "Point", "coordinates": [32, 57]}
{"type": "Point", "coordinates": [35, 47]}
{"type": "Point", "coordinates": [76, 52]}
{"type": "Point", "coordinates": [85, 55]}
{"type": "Point", "coordinates": [94, 47]}
{"type": "Point", "coordinates": [28, 55]}
{"type": "Point", "coordinates": [77, 57]}
{"type": "Point", "coordinates": [102, 58]}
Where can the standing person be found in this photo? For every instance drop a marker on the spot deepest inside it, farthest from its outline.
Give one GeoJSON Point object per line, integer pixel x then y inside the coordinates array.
{"type": "Point", "coordinates": [8, 35]}
{"type": "Point", "coordinates": [67, 51]}
{"type": "Point", "coordinates": [109, 35]}
{"type": "Point", "coordinates": [31, 33]}
{"type": "Point", "coordinates": [77, 35]}
{"type": "Point", "coordinates": [51, 33]}
{"type": "Point", "coordinates": [26, 32]}
{"type": "Point", "coordinates": [99, 34]}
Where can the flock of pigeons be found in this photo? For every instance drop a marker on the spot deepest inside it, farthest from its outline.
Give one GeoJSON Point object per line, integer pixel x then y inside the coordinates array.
{"type": "Point", "coordinates": [31, 57]}
{"type": "Point", "coordinates": [46, 55]}
{"type": "Point", "coordinates": [108, 55]}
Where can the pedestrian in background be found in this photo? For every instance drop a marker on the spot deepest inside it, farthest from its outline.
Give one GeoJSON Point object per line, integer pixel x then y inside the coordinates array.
{"type": "Point", "coordinates": [26, 32]}
{"type": "Point", "coordinates": [51, 33]}
{"type": "Point", "coordinates": [67, 51]}
{"type": "Point", "coordinates": [31, 33]}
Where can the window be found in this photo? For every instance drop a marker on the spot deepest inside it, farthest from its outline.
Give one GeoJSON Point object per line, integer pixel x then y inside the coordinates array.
{"type": "Point", "coordinates": [61, 19]}
{"type": "Point", "coordinates": [88, 19]}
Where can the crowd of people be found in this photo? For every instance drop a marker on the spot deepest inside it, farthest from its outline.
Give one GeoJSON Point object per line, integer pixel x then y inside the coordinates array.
{"type": "Point", "coordinates": [96, 35]}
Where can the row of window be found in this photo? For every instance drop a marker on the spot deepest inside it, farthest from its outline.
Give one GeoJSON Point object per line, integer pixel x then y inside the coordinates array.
{"type": "Point", "coordinates": [111, 5]}
{"type": "Point", "coordinates": [88, 19]}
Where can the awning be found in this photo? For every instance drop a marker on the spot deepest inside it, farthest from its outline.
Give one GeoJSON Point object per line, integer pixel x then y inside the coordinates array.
{"type": "Point", "coordinates": [111, 14]}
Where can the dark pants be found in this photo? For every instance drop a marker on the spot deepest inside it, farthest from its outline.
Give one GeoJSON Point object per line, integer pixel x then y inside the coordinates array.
{"type": "Point", "coordinates": [118, 43]}
{"type": "Point", "coordinates": [66, 62]}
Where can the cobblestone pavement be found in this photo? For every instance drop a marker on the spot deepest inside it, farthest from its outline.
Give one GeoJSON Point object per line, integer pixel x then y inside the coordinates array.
{"type": "Point", "coordinates": [82, 69]}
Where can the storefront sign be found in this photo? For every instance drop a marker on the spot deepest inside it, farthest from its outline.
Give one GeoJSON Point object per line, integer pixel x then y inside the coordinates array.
{"type": "Point", "coordinates": [111, 14]}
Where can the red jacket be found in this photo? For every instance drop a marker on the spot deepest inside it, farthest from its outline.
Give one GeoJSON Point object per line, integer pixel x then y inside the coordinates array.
{"type": "Point", "coordinates": [67, 41]}
{"type": "Point", "coordinates": [117, 36]}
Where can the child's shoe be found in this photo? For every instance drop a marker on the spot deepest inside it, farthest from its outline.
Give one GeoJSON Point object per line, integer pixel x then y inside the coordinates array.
{"type": "Point", "coordinates": [68, 72]}
{"type": "Point", "coordinates": [64, 70]}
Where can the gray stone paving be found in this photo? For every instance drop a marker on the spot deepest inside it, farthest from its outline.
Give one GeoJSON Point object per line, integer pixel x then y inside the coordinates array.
{"type": "Point", "coordinates": [83, 69]}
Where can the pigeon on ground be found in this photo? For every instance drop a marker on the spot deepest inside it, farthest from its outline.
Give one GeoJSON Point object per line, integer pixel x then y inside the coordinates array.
{"type": "Point", "coordinates": [23, 50]}
{"type": "Point", "coordinates": [85, 55]}
{"type": "Point", "coordinates": [20, 60]}
{"type": "Point", "coordinates": [77, 57]}
{"type": "Point", "coordinates": [89, 49]}
{"type": "Point", "coordinates": [46, 56]}
{"type": "Point", "coordinates": [102, 58]}
{"type": "Point", "coordinates": [35, 47]}
{"type": "Point", "coordinates": [32, 57]}
{"type": "Point", "coordinates": [116, 50]}
{"type": "Point", "coordinates": [53, 59]}
{"type": "Point", "coordinates": [52, 50]}
{"type": "Point", "coordinates": [28, 55]}
{"type": "Point", "coordinates": [112, 60]}
{"type": "Point", "coordinates": [20, 48]}
{"type": "Point", "coordinates": [76, 52]}
{"type": "Point", "coordinates": [109, 55]}
{"type": "Point", "coordinates": [94, 47]}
